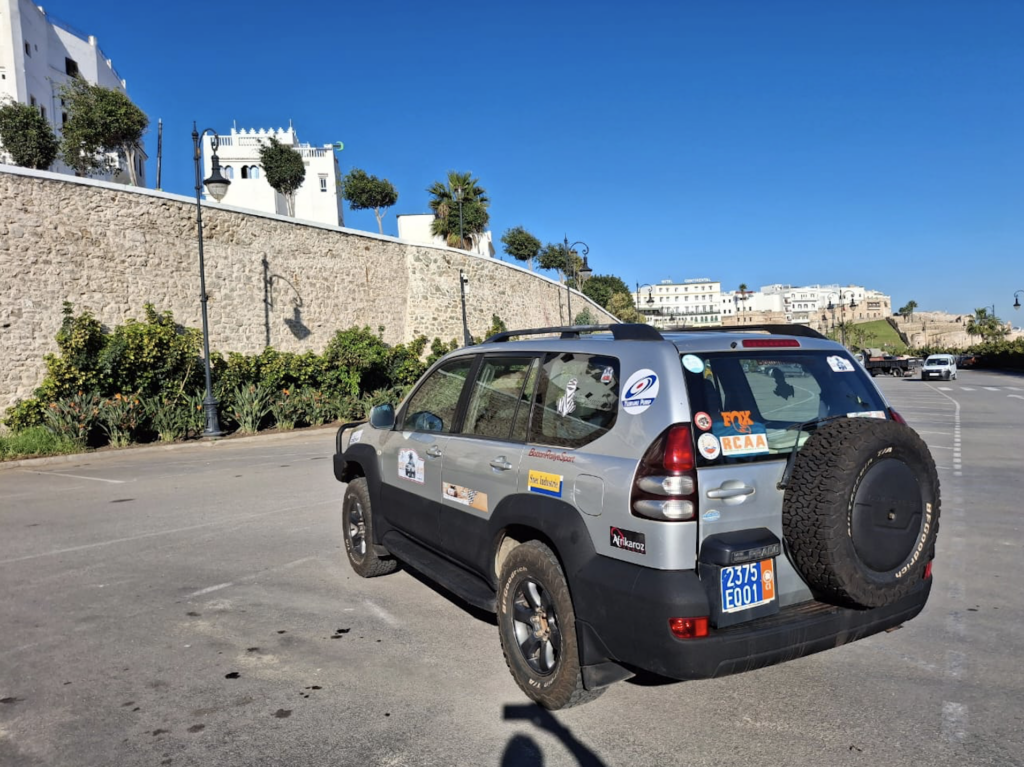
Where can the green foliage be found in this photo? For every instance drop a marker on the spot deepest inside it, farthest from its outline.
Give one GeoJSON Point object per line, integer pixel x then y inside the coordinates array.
{"type": "Point", "coordinates": [621, 305]}
{"type": "Point", "coordinates": [283, 169]}
{"type": "Point", "coordinates": [497, 326]}
{"type": "Point", "coordinates": [169, 417]}
{"type": "Point", "coordinates": [601, 287]}
{"type": "Point", "coordinates": [877, 334]}
{"type": "Point", "coordinates": [80, 341]}
{"type": "Point", "coordinates": [521, 245]}
{"type": "Point", "coordinates": [365, 192]}
{"type": "Point", "coordinates": [286, 408]}
{"type": "Point", "coordinates": [248, 406]}
{"type": "Point", "coordinates": [74, 417]}
{"type": "Point", "coordinates": [553, 257]}
{"type": "Point", "coordinates": [36, 441]}
{"type": "Point", "coordinates": [585, 317]}
{"type": "Point", "coordinates": [444, 203]}
{"type": "Point", "coordinates": [25, 414]}
{"type": "Point", "coordinates": [100, 121]}
{"type": "Point", "coordinates": [120, 417]}
{"type": "Point", "coordinates": [986, 325]}
{"type": "Point", "coordinates": [27, 136]}
{"type": "Point", "coordinates": [907, 310]}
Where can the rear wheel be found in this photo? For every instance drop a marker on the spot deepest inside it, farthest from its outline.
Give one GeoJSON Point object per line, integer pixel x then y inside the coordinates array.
{"type": "Point", "coordinates": [357, 519]}
{"type": "Point", "coordinates": [537, 626]}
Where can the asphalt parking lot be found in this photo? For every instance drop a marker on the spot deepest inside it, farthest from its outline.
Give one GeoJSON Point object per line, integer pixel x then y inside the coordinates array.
{"type": "Point", "coordinates": [193, 606]}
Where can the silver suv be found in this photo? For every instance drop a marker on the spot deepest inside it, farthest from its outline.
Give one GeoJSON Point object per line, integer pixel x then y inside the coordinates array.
{"type": "Point", "coordinates": [688, 504]}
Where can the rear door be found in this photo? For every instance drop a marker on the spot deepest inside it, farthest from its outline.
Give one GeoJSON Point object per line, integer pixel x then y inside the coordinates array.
{"type": "Point", "coordinates": [413, 454]}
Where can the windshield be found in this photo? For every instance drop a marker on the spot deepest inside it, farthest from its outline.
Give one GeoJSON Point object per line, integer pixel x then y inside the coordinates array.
{"type": "Point", "coordinates": [759, 406]}
{"type": "Point", "coordinates": [937, 361]}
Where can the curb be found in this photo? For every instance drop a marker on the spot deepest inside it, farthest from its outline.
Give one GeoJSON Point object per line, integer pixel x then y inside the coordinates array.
{"type": "Point", "coordinates": [199, 444]}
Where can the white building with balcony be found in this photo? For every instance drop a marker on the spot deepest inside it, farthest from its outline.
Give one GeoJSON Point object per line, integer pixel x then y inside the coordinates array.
{"type": "Point", "coordinates": [38, 54]}
{"type": "Point", "coordinates": [690, 302]}
{"type": "Point", "coordinates": [318, 199]}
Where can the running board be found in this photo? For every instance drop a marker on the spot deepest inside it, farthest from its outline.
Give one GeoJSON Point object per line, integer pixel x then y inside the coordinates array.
{"type": "Point", "coordinates": [455, 579]}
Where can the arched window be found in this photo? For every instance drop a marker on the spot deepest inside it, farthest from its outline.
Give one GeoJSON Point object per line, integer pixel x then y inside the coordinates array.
{"type": "Point", "coordinates": [254, 171]}
{"type": "Point", "coordinates": [245, 172]}
{"type": "Point", "coordinates": [229, 172]}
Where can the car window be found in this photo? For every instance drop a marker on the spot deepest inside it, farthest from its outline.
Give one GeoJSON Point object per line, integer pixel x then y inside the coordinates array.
{"type": "Point", "coordinates": [576, 401]}
{"type": "Point", "coordinates": [433, 405]}
{"type": "Point", "coordinates": [751, 403]}
{"type": "Point", "coordinates": [496, 393]}
{"type": "Point", "coordinates": [937, 361]}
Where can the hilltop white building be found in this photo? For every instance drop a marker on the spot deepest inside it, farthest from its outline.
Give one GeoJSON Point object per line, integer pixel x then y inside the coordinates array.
{"type": "Point", "coordinates": [38, 54]}
{"type": "Point", "coordinates": [318, 199]}
{"type": "Point", "coordinates": [690, 302]}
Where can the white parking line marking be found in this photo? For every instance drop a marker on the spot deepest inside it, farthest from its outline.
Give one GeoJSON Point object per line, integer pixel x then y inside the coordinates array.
{"type": "Point", "coordinates": [992, 388]}
{"type": "Point", "coordinates": [945, 388]}
{"type": "Point", "coordinates": [1015, 396]}
{"type": "Point", "coordinates": [939, 447]}
{"type": "Point", "coordinates": [209, 590]}
{"type": "Point", "coordinates": [1015, 388]}
{"type": "Point", "coordinates": [383, 614]}
{"type": "Point", "coordinates": [954, 721]}
{"type": "Point", "coordinates": [141, 536]}
{"type": "Point", "coordinates": [966, 388]}
{"type": "Point", "coordinates": [76, 476]}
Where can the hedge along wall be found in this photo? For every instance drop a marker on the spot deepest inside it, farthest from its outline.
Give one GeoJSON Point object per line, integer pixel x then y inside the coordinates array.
{"type": "Point", "coordinates": [270, 279]}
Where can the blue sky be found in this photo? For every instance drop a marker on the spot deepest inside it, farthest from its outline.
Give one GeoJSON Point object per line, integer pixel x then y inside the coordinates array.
{"type": "Point", "coordinates": [871, 142]}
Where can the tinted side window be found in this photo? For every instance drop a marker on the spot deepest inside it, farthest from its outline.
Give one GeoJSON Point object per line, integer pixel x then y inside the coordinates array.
{"type": "Point", "coordinates": [577, 401]}
{"type": "Point", "coordinates": [433, 406]}
{"type": "Point", "coordinates": [496, 393]}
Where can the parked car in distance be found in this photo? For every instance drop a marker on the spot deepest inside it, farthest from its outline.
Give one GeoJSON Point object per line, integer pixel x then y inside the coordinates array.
{"type": "Point", "coordinates": [941, 366]}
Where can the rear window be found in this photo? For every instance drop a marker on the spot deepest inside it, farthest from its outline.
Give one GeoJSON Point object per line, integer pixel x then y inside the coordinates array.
{"type": "Point", "coordinates": [761, 406]}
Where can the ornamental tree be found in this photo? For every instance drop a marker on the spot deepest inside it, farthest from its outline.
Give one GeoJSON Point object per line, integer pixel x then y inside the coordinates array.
{"type": "Point", "coordinates": [365, 192]}
{"type": "Point", "coordinates": [27, 136]}
{"type": "Point", "coordinates": [521, 245]}
{"type": "Point", "coordinates": [101, 121]}
{"type": "Point", "coordinates": [450, 217]}
{"type": "Point", "coordinates": [284, 170]}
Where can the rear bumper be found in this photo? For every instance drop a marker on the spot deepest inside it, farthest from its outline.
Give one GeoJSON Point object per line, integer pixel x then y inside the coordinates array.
{"type": "Point", "coordinates": [633, 625]}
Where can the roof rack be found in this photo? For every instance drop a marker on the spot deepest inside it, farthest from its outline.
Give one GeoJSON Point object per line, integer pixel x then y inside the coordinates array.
{"type": "Point", "coordinates": [622, 331]}
{"type": "Point", "coordinates": [779, 330]}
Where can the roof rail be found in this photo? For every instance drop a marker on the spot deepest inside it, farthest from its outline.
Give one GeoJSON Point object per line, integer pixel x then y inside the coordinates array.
{"type": "Point", "coordinates": [779, 330]}
{"type": "Point", "coordinates": [622, 331]}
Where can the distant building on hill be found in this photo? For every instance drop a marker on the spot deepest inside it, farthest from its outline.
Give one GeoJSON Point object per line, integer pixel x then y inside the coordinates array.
{"type": "Point", "coordinates": [318, 199]}
{"type": "Point", "coordinates": [38, 54]}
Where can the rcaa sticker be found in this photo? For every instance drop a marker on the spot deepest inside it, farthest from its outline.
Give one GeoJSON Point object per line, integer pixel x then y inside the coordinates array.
{"type": "Point", "coordinates": [709, 446]}
{"type": "Point", "coordinates": [640, 391]}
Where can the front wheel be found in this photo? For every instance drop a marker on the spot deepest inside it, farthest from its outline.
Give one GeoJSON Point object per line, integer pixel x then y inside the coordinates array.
{"type": "Point", "coordinates": [537, 626]}
{"type": "Point", "coordinates": [357, 520]}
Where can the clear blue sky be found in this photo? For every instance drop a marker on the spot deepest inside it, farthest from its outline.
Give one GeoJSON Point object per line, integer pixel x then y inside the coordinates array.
{"type": "Point", "coordinates": [871, 142]}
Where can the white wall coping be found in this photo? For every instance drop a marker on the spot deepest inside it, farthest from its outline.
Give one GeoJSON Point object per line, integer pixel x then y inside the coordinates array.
{"type": "Point", "coordinates": [16, 170]}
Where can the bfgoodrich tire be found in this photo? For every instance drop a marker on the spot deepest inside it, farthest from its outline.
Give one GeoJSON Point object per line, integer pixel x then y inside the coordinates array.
{"type": "Point", "coordinates": [357, 520]}
{"type": "Point", "coordinates": [861, 512]}
{"type": "Point", "coordinates": [537, 626]}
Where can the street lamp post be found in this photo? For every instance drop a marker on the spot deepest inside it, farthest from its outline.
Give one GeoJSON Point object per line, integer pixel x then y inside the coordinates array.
{"type": "Point", "coordinates": [458, 199]}
{"type": "Point", "coordinates": [842, 307]}
{"type": "Point", "coordinates": [1016, 299]}
{"type": "Point", "coordinates": [568, 250]}
{"type": "Point", "coordinates": [466, 337]}
{"type": "Point", "coordinates": [217, 186]}
{"type": "Point", "coordinates": [650, 298]}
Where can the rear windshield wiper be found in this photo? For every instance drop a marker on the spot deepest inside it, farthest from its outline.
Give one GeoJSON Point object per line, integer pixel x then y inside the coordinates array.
{"type": "Point", "coordinates": [800, 427]}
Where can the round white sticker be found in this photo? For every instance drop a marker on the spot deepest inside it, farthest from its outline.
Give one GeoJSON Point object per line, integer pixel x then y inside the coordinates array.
{"type": "Point", "coordinates": [640, 391]}
{"type": "Point", "coordinates": [693, 363]}
{"type": "Point", "coordinates": [709, 446]}
{"type": "Point", "coordinates": [703, 421]}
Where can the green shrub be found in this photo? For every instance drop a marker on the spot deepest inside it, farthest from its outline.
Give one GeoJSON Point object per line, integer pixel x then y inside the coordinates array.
{"type": "Point", "coordinates": [74, 417]}
{"type": "Point", "coordinates": [24, 414]}
{"type": "Point", "coordinates": [168, 417]}
{"type": "Point", "coordinates": [120, 417]}
{"type": "Point", "coordinates": [36, 441]}
{"type": "Point", "coordinates": [248, 406]}
{"type": "Point", "coordinates": [286, 408]}
{"type": "Point", "coordinates": [80, 341]}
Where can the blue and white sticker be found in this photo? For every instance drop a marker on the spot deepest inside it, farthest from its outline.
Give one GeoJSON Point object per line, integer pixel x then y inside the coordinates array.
{"type": "Point", "coordinates": [840, 364]}
{"type": "Point", "coordinates": [693, 363]}
{"type": "Point", "coordinates": [640, 391]}
{"type": "Point", "coordinates": [356, 437]}
{"type": "Point", "coordinates": [709, 446]}
{"type": "Point", "coordinates": [711, 516]}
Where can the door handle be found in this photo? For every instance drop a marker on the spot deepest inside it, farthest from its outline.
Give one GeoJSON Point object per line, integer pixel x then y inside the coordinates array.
{"type": "Point", "coordinates": [434, 451]}
{"type": "Point", "coordinates": [500, 464]}
{"type": "Point", "coordinates": [729, 491]}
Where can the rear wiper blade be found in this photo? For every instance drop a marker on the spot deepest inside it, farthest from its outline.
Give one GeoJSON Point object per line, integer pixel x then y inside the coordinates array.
{"type": "Point", "coordinates": [791, 461]}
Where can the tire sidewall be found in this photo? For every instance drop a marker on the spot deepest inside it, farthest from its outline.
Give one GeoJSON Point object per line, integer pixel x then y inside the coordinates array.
{"type": "Point", "coordinates": [357, 493]}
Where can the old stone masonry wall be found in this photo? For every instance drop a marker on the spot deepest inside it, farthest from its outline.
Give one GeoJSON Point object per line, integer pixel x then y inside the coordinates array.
{"type": "Point", "coordinates": [271, 280]}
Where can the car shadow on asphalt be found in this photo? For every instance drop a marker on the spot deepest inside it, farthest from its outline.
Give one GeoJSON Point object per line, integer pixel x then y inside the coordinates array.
{"type": "Point", "coordinates": [523, 751]}
{"type": "Point", "coordinates": [481, 615]}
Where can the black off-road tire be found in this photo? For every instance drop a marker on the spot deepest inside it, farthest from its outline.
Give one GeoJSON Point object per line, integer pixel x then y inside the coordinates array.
{"type": "Point", "coordinates": [532, 568]}
{"type": "Point", "coordinates": [861, 512]}
{"type": "Point", "coordinates": [357, 523]}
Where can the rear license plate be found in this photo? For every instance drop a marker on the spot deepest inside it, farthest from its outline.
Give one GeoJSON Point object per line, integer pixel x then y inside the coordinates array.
{"type": "Point", "coordinates": [749, 585]}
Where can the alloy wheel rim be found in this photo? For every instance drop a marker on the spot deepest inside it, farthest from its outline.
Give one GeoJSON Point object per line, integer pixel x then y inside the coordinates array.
{"type": "Point", "coordinates": [357, 529]}
{"type": "Point", "coordinates": [536, 627]}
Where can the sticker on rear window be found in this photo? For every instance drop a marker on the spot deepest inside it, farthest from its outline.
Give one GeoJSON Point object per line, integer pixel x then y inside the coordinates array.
{"type": "Point", "coordinates": [640, 391]}
{"type": "Point", "coordinates": [709, 446]}
{"type": "Point", "coordinates": [840, 364]}
{"type": "Point", "coordinates": [867, 414]}
{"type": "Point", "coordinates": [567, 402]}
{"type": "Point", "coordinates": [745, 444]}
{"type": "Point", "coordinates": [608, 375]}
{"type": "Point", "coordinates": [693, 363]}
{"type": "Point", "coordinates": [703, 421]}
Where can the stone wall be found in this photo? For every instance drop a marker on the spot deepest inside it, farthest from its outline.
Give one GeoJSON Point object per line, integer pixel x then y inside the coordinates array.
{"type": "Point", "coordinates": [270, 279]}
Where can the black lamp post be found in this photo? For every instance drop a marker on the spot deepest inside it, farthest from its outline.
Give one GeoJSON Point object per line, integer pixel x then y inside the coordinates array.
{"type": "Point", "coordinates": [650, 298]}
{"type": "Point", "coordinates": [1016, 299]}
{"type": "Point", "coordinates": [466, 337]}
{"type": "Point", "coordinates": [568, 250]}
{"type": "Point", "coordinates": [458, 199]}
{"type": "Point", "coordinates": [842, 307]}
{"type": "Point", "coordinates": [217, 186]}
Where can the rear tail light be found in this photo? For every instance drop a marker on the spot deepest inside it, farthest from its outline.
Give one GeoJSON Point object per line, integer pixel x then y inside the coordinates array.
{"type": "Point", "coordinates": [897, 417]}
{"type": "Point", "coordinates": [688, 628]}
{"type": "Point", "coordinates": [665, 487]}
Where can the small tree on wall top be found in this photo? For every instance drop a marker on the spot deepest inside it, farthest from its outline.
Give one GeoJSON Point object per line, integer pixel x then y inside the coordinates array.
{"type": "Point", "coordinates": [284, 169]}
{"type": "Point", "coordinates": [27, 136]}
{"type": "Point", "coordinates": [365, 192]}
{"type": "Point", "coordinates": [101, 121]}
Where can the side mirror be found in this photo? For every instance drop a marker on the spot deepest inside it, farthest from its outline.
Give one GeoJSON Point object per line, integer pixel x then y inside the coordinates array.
{"type": "Point", "coordinates": [383, 417]}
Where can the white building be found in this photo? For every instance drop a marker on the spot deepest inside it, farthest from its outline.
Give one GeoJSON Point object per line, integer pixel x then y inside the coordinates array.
{"type": "Point", "coordinates": [415, 227]}
{"type": "Point", "coordinates": [318, 199]}
{"type": "Point", "coordinates": [38, 54]}
{"type": "Point", "coordinates": [690, 302]}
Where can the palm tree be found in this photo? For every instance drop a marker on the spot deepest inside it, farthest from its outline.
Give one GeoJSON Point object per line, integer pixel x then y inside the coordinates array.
{"type": "Point", "coordinates": [445, 205]}
{"type": "Point", "coordinates": [743, 291]}
{"type": "Point", "coordinates": [985, 325]}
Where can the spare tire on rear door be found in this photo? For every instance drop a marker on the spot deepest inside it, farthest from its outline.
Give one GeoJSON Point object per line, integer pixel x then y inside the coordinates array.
{"type": "Point", "coordinates": [861, 511]}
